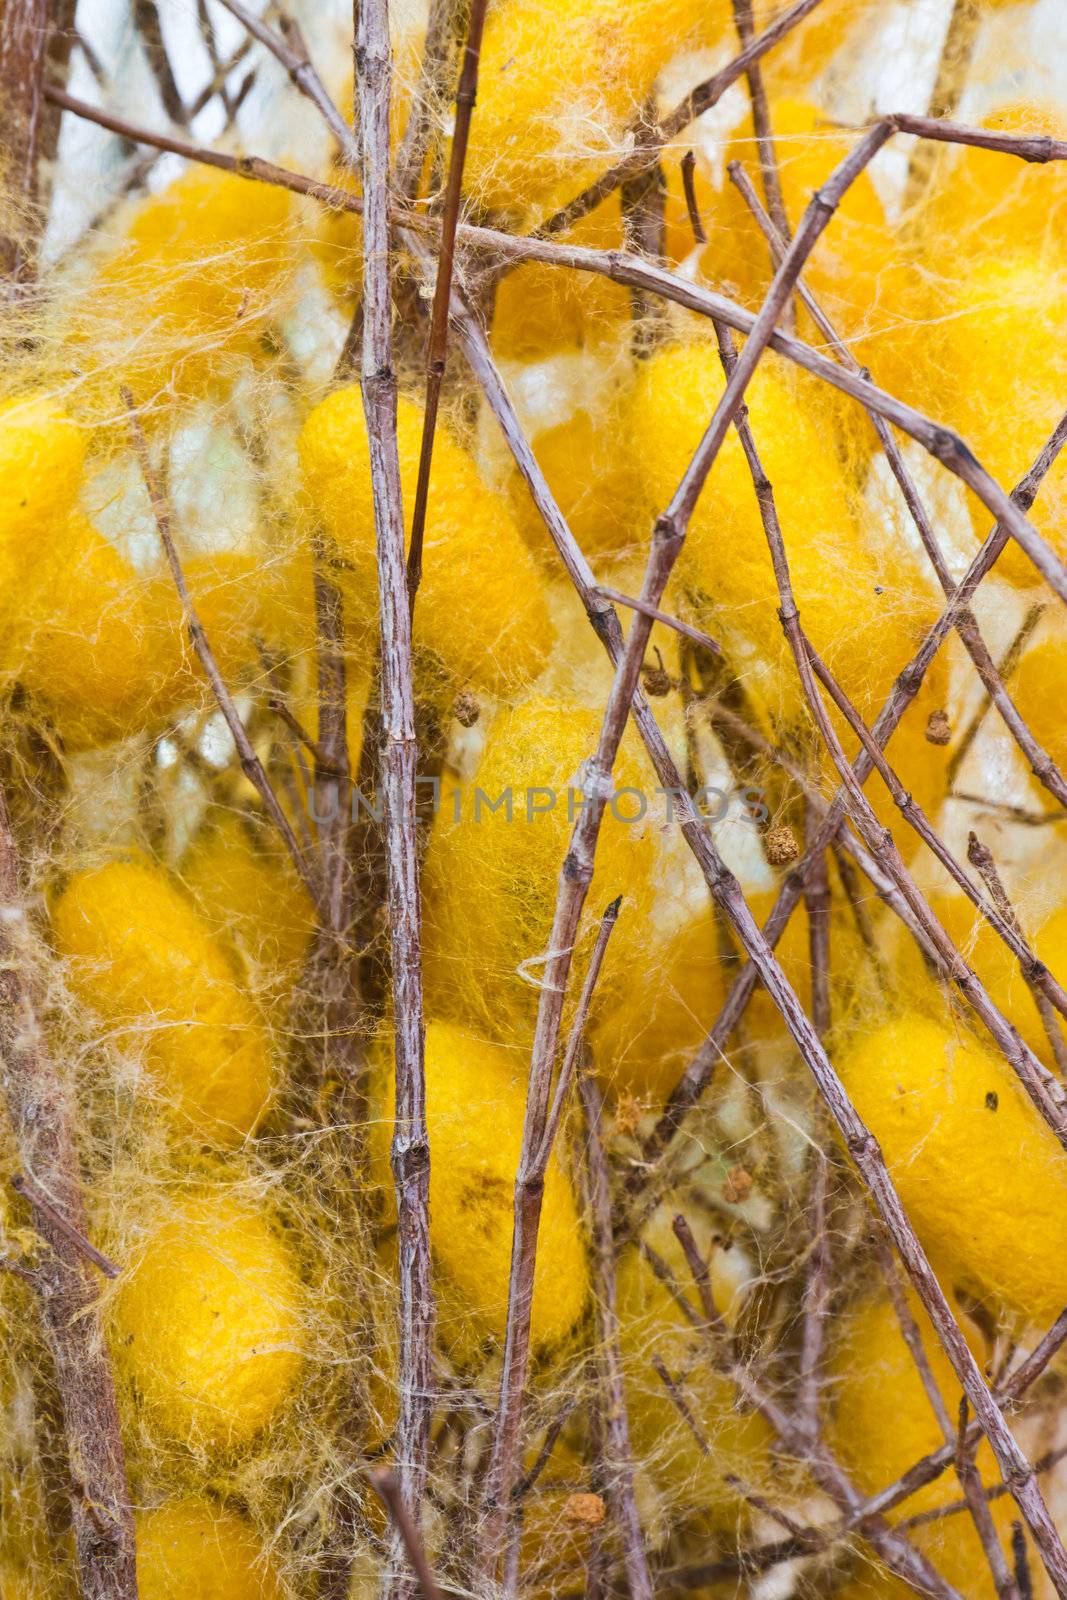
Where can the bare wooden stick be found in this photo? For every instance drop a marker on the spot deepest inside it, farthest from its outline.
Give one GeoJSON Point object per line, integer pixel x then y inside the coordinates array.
{"type": "Point", "coordinates": [761, 126]}
{"type": "Point", "coordinates": [251, 765]}
{"type": "Point", "coordinates": [633, 603]}
{"type": "Point", "coordinates": [617, 1452]}
{"type": "Point", "coordinates": [430, 94]}
{"type": "Point", "coordinates": [24, 33]}
{"type": "Point", "coordinates": [42, 1115]}
{"type": "Point", "coordinates": [23, 1184]}
{"type": "Point", "coordinates": [387, 1486]}
{"type": "Point", "coordinates": [540, 1127]}
{"type": "Point", "coordinates": [437, 345]}
{"type": "Point", "coordinates": [411, 1148]}
{"type": "Point", "coordinates": [332, 776]}
{"type": "Point", "coordinates": [981, 857]}
{"type": "Point", "coordinates": [1005, 667]}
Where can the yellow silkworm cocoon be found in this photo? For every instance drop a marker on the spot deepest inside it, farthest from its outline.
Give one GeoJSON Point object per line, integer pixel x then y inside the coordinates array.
{"type": "Point", "coordinates": [982, 1177]}
{"type": "Point", "coordinates": [492, 875]}
{"type": "Point", "coordinates": [144, 959]}
{"type": "Point", "coordinates": [42, 452]}
{"type": "Point", "coordinates": [883, 1422]}
{"type": "Point", "coordinates": [807, 49]}
{"type": "Point", "coordinates": [735, 1442]}
{"type": "Point", "coordinates": [207, 1322]}
{"type": "Point", "coordinates": [475, 1104]}
{"type": "Point", "coordinates": [193, 1550]}
{"type": "Point", "coordinates": [540, 309]}
{"type": "Point", "coordinates": [1038, 687]}
{"type": "Point", "coordinates": [994, 200]}
{"type": "Point", "coordinates": [999, 331]}
{"type": "Point", "coordinates": [247, 888]}
{"type": "Point", "coordinates": [91, 652]}
{"type": "Point", "coordinates": [558, 84]}
{"type": "Point", "coordinates": [576, 424]}
{"type": "Point", "coordinates": [480, 620]}
{"type": "Point", "coordinates": [207, 257]}
{"type": "Point", "coordinates": [865, 628]}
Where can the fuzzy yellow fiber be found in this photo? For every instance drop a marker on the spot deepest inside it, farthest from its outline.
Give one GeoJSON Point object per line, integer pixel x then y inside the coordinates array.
{"type": "Point", "coordinates": [142, 957]}
{"type": "Point", "coordinates": [651, 1323]}
{"type": "Point", "coordinates": [41, 456]}
{"type": "Point", "coordinates": [208, 256]}
{"type": "Point", "coordinates": [982, 1177]}
{"type": "Point", "coordinates": [193, 1550]}
{"type": "Point", "coordinates": [999, 330]}
{"type": "Point", "coordinates": [996, 966]}
{"type": "Point", "coordinates": [1038, 686]}
{"type": "Point", "coordinates": [989, 202]}
{"type": "Point", "coordinates": [860, 608]}
{"type": "Point", "coordinates": [90, 650]}
{"type": "Point", "coordinates": [883, 1423]}
{"type": "Point", "coordinates": [558, 83]}
{"type": "Point", "coordinates": [491, 881]}
{"type": "Point", "coordinates": [481, 620]}
{"type": "Point", "coordinates": [540, 310]}
{"type": "Point", "coordinates": [475, 1104]}
{"type": "Point", "coordinates": [207, 1324]}
{"type": "Point", "coordinates": [245, 884]}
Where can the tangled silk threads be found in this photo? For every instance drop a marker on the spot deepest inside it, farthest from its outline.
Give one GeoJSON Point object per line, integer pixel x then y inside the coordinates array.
{"type": "Point", "coordinates": [228, 1058]}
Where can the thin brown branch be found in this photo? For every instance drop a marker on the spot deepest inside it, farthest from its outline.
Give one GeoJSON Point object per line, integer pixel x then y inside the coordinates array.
{"type": "Point", "coordinates": [43, 1118]}
{"type": "Point", "coordinates": [24, 33]}
{"type": "Point", "coordinates": [540, 1126]}
{"type": "Point", "coordinates": [1004, 669]}
{"type": "Point", "coordinates": [411, 1148]}
{"type": "Point", "coordinates": [430, 96]}
{"type": "Point", "coordinates": [437, 345]}
{"type": "Point", "coordinates": [251, 765]}
{"type": "Point", "coordinates": [761, 126]}
{"type": "Point", "coordinates": [981, 858]}
{"type": "Point", "coordinates": [633, 603]}
{"type": "Point", "coordinates": [331, 785]}
{"type": "Point", "coordinates": [700, 1272]}
{"type": "Point", "coordinates": [616, 1454]}
{"type": "Point", "coordinates": [387, 1485]}
{"type": "Point", "coordinates": [24, 1185]}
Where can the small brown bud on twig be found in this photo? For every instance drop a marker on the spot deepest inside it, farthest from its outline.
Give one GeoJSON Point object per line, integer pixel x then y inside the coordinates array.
{"type": "Point", "coordinates": [938, 728]}
{"type": "Point", "coordinates": [585, 1510]}
{"type": "Point", "coordinates": [466, 709]}
{"type": "Point", "coordinates": [737, 1186]}
{"type": "Point", "coordinates": [782, 847]}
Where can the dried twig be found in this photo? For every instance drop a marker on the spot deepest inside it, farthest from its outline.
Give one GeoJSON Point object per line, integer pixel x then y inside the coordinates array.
{"type": "Point", "coordinates": [541, 1124]}
{"type": "Point", "coordinates": [387, 1485]}
{"type": "Point", "coordinates": [43, 1117]}
{"type": "Point", "coordinates": [437, 345]}
{"type": "Point", "coordinates": [24, 32]}
{"type": "Point", "coordinates": [411, 1150]}
{"type": "Point", "coordinates": [251, 765]}
{"type": "Point", "coordinates": [1005, 667]}
{"type": "Point", "coordinates": [981, 857]}
{"type": "Point", "coordinates": [23, 1184]}
{"type": "Point", "coordinates": [761, 126]}
{"type": "Point", "coordinates": [617, 1454]}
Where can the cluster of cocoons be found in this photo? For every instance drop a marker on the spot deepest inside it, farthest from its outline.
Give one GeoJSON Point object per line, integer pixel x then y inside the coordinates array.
{"type": "Point", "coordinates": [253, 1224]}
